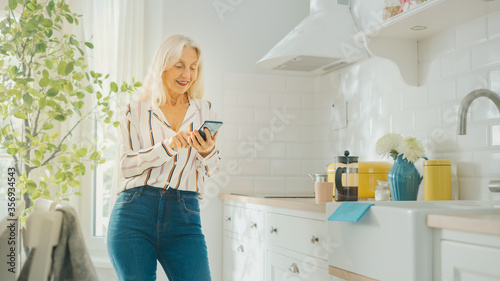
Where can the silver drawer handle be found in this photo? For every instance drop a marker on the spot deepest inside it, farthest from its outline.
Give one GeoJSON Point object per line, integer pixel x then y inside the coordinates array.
{"type": "Point", "coordinates": [241, 249]}
{"type": "Point", "coordinates": [273, 230]}
{"type": "Point", "coordinates": [253, 225]}
{"type": "Point", "coordinates": [294, 268]}
{"type": "Point", "coordinates": [228, 219]}
{"type": "Point", "coordinates": [314, 239]}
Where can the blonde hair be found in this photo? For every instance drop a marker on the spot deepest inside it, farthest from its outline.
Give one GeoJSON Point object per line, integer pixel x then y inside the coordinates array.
{"type": "Point", "coordinates": [167, 55]}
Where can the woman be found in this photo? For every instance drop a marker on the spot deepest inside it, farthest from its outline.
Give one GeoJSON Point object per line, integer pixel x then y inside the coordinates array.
{"type": "Point", "coordinates": [164, 162]}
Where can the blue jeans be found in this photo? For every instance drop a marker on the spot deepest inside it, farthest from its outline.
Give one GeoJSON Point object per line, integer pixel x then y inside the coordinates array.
{"type": "Point", "coordinates": [149, 224]}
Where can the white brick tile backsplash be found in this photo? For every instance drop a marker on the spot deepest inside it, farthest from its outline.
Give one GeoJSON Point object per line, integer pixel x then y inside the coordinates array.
{"type": "Point", "coordinates": [474, 189]}
{"type": "Point", "coordinates": [287, 167]}
{"type": "Point", "coordinates": [301, 84]}
{"type": "Point", "coordinates": [255, 167]}
{"type": "Point", "coordinates": [488, 163]}
{"type": "Point", "coordinates": [239, 115]}
{"type": "Point", "coordinates": [288, 100]}
{"type": "Point", "coordinates": [494, 25]}
{"type": "Point", "coordinates": [486, 54]}
{"type": "Point", "coordinates": [300, 186]}
{"type": "Point", "coordinates": [441, 92]}
{"type": "Point", "coordinates": [429, 72]}
{"type": "Point", "coordinates": [270, 185]}
{"type": "Point", "coordinates": [270, 82]}
{"type": "Point", "coordinates": [242, 185]}
{"type": "Point", "coordinates": [470, 82]}
{"type": "Point", "coordinates": [476, 137]}
{"type": "Point", "coordinates": [427, 118]}
{"type": "Point", "coordinates": [495, 80]}
{"type": "Point", "coordinates": [273, 150]}
{"type": "Point", "coordinates": [414, 97]}
{"type": "Point", "coordinates": [495, 136]}
{"type": "Point", "coordinates": [402, 122]}
{"type": "Point", "coordinates": [471, 33]}
{"type": "Point", "coordinates": [252, 98]}
{"type": "Point", "coordinates": [456, 63]}
{"type": "Point", "coordinates": [239, 81]}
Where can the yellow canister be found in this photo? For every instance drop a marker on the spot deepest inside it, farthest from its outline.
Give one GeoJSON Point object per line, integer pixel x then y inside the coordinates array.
{"type": "Point", "coordinates": [437, 180]}
{"type": "Point", "coordinates": [368, 174]}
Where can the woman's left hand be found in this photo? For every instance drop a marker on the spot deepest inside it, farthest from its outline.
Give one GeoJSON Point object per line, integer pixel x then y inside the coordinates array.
{"type": "Point", "coordinates": [203, 147]}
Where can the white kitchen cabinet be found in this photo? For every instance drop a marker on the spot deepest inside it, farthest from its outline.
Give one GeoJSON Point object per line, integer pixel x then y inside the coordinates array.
{"type": "Point", "coordinates": [274, 244]}
{"type": "Point", "coordinates": [243, 253]}
{"type": "Point", "coordinates": [284, 268]}
{"type": "Point", "coordinates": [243, 261]}
{"type": "Point", "coordinates": [469, 256]}
{"type": "Point", "coordinates": [396, 38]}
{"type": "Point", "coordinates": [465, 262]}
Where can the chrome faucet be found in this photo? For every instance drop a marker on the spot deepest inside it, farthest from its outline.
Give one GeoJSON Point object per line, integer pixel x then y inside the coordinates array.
{"type": "Point", "coordinates": [494, 185]}
{"type": "Point", "coordinates": [466, 102]}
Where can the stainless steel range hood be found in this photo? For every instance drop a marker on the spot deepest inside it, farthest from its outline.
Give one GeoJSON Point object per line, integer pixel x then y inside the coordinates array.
{"type": "Point", "coordinates": [321, 43]}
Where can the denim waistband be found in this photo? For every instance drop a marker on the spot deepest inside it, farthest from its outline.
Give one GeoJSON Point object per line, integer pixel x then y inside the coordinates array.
{"type": "Point", "coordinates": [161, 192]}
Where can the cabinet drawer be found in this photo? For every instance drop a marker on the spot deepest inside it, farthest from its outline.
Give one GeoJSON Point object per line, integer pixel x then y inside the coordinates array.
{"type": "Point", "coordinates": [465, 262]}
{"type": "Point", "coordinates": [246, 222]}
{"type": "Point", "coordinates": [242, 261]}
{"type": "Point", "coordinates": [283, 268]}
{"type": "Point", "coordinates": [303, 235]}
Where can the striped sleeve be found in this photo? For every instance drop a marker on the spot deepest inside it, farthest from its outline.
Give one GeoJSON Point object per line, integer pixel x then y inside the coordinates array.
{"type": "Point", "coordinates": [135, 158]}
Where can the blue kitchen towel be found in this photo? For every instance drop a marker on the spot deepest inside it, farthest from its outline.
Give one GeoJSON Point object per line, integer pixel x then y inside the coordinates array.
{"type": "Point", "coordinates": [350, 211]}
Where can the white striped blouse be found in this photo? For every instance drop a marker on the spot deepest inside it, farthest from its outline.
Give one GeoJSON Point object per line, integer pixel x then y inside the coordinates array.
{"type": "Point", "coordinates": [147, 159]}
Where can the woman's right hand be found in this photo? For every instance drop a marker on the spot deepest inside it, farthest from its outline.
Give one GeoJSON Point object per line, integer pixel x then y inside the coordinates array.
{"type": "Point", "coordinates": [179, 140]}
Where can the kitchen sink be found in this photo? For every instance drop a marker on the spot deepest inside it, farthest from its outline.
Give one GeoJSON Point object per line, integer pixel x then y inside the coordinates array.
{"type": "Point", "coordinates": [392, 241]}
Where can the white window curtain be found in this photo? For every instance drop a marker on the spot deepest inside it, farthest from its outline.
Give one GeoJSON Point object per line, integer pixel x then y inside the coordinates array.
{"type": "Point", "coordinates": [116, 29]}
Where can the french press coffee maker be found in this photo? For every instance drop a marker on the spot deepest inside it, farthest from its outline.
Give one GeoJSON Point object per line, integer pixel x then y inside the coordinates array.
{"type": "Point", "coordinates": [346, 178]}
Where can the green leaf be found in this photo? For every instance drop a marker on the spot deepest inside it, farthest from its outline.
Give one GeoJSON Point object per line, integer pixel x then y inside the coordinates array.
{"type": "Point", "coordinates": [80, 95]}
{"type": "Point", "coordinates": [46, 22]}
{"type": "Point", "coordinates": [89, 45]}
{"type": "Point", "coordinates": [107, 120]}
{"type": "Point", "coordinates": [28, 99]}
{"type": "Point", "coordinates": [137, 84]}
{"type": "Point", "coordinates": [12, 4]}
{"type": "Point", "coordinates": [54, 135]}
{"type": "Point", "coordinates": [94, 155]}
{"type": "Point", "coordinates": [64, 188]}
{"type": "Point", "coordinates": [78, 193]}
{"type": "Point", "coordinates": [69, 18]}
{"type": "Point", "coordinates": [49, 65]}
{"type": "Point", "coordinates": [38, 154]}
{"type": "Point", "coordinates": [48, 126]}
{"type": "Point", "coordinates": [61, 67]}
{"type": "Point", "coordinates": [114, 87]}
{"type": "Point", "coordinates": [44, 82]}
{"type": "Point", "coordinates": [69, 68]}
{"type": "Point", "coordinates": [81, 152]}
{"type": "Point", "coordinates": [89, 89]}
{"type": "Point", "coordinates": [40, 48]}
{"type": "Point", "coordinates": [116, 124]}
{"type": "Point", "coordinates": [60, 117]}
{"type": "Point", "coordinates": [52, 92]}
{"type": "Point", "coordinates": [21, 115]}
{"type": "Point", "coordinates": [30, 184]}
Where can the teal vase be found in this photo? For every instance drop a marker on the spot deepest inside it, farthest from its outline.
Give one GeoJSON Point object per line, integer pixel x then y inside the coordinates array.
{"type": "Point", "coordinates": [404, 180]}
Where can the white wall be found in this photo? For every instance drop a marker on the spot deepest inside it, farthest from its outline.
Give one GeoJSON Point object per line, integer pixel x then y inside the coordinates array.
{"type": "Point", "coordinates": [452, 64]}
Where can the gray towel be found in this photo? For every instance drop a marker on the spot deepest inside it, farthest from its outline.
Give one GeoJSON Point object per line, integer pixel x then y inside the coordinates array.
{"type": "Point", "coordinates": [70, 259]}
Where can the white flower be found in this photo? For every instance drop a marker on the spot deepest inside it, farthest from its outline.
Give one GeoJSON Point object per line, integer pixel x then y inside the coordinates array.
{"type": "Point", "coordinates": [411, 149]}
{"type": "Point", "coordinates": [388, 144]}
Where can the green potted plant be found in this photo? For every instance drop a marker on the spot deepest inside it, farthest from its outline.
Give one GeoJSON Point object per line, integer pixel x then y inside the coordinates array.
{"type": "Point", "coordinates": [44, 82]}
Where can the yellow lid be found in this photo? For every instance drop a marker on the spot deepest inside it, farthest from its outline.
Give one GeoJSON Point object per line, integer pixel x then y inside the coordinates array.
{"type": "Point", "coordinates": [374, 167]}
{"type": "Point", "coordinates": [437, 163]}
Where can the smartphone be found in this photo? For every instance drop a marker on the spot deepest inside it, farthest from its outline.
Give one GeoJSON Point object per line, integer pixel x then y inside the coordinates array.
{"type": "Point", "coordinates": [213, 127]}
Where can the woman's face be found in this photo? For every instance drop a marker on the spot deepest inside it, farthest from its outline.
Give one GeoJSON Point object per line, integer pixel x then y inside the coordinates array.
{"type": "Point", "coordinates": [178, 78]}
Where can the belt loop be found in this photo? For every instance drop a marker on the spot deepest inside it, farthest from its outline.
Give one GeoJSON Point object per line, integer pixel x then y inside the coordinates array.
{"type": "Point", "coordinates": [178, 192]}
{"type": "Point", "coordinates": [140, 190]}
